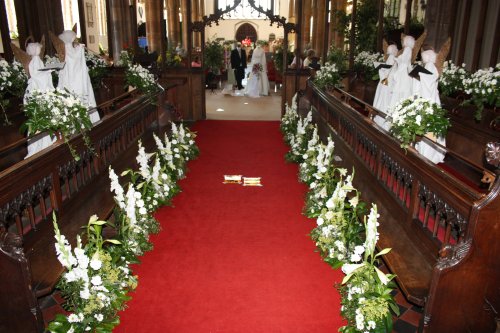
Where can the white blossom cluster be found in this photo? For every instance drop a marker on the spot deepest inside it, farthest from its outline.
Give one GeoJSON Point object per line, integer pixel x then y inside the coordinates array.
{"type": "Point", "coordinates": [484, 83]}
{"type": "Point", "coordinates": [94, 61]}
{"type": "Point", "coordinates": [297, 142]}
{"type": "Point", "coordinates": [171, 157]}
{"type": "Point", "coordinates": [328, 76]}
{"type": "Point", "coordinates": [4, 75]}
{"type": "Point", "coordinates": [139, 77]}
{"type": "Point", "coordinates": [94, 286]}
{"type": "Point", "coordinates": [289, 122]}
{"type": "Point", "coordinates": [314, 169]}
{"type": "Point", "coordinates": [452, 78]}
{"type": "Point", "coordinates": [366, 59]}
{"type": "Point", "coordinates": [183, 142]}
{"type": "Point", "coordinates": [404, 113]}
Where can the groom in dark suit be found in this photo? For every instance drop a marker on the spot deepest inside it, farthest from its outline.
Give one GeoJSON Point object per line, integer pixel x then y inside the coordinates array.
{"type": "Point", "coordinates": [239, 63]}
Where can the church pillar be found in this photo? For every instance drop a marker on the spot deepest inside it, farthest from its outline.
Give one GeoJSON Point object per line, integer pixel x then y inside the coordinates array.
{"type": "Point", "coordinates": [185, 24]}
{"type": "Point", "coordinates": [154, 14]}
{"type": "Point", "coordinates": [319, 23]}
{"type": "Point", "coordinates": [195, 17]}
{"type": "Point", "coordinates": [306, 22]}
{"type": "Point", "coordinates": [352, 39]}
{"type": "Point", "coordinates": [173, 22]}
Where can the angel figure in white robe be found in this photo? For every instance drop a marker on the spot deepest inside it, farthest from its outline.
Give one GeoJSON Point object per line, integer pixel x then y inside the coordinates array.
{"type": "Point", "coordinates": [258, 82]}
{"type": "Point", "coordinates": [428, 89]}
{"type": "Point", "coordinates": [39, 79]}
{"type": "Point", "coordinates": [75, 74]}
{"type": "Point", "coordinates": [385, 86]}
{"type": "Point", "coordinates": [402, 81]}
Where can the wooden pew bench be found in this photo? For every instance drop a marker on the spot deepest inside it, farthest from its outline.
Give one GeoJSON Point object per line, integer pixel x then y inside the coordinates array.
{"type": "Point", "coordinates": [441, 229]}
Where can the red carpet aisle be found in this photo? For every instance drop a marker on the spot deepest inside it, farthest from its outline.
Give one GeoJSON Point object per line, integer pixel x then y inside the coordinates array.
{"type": "Point", "coordinates": [233, 258]}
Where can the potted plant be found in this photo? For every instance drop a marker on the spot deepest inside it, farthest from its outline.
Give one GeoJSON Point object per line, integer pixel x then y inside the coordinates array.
{"type": "Point", "coordinates": [213, 56]}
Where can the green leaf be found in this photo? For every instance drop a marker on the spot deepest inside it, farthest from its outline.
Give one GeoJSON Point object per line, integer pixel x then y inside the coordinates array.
{"type": "Point", "coordinates": [384, 251]}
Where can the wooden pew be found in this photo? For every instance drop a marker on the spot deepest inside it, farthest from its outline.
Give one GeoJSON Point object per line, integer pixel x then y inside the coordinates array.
{"type": "Point", "coordinates": [53, 181]}
{"type": "Point", "coordinates": [443, 231]}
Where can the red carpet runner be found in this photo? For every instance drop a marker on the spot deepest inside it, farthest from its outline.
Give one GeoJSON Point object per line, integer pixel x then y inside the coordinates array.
{"type": "Point", "coordinates": [231, 258]}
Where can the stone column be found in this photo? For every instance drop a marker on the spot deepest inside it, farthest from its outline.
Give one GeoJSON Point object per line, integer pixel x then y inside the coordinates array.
{"type": "Point", "coordinates": [153, 24]}
{"type": "Point", "coordinates": [319, 23]}
{"type": "Point", "coordinates": [195, 17]}
{"type": "Point", "coordinates": [306, 22]}
{"type": "Point", "coordinates": [185, 25]}
{"type": "Point", "coordinates": [115, 33]}
{"type": "Point", "coordinates": [173, 22]}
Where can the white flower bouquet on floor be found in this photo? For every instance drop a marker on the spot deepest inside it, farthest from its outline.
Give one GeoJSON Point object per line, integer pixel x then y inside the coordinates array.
{"type": "Point", "coordinates": [95, 284]}
{"type": "Point", "coordinates": [183, 142]}
{"type": "Point", "coordinates": [299, 141]}
{"type": "Point", "coordinates": [366, 291]}
{"type": "Point", "coordinates": [289, 121]}
{"type": "Point", "coordinates": [172, 161]}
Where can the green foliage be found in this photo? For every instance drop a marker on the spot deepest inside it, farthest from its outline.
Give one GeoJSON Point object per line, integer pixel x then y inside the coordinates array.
{"type": "Point", "coordinates": [338, 57]}
{"type": "Point", "coordinates": [213, 55]}
{"type": "Point", "coordinates": [13, 82]}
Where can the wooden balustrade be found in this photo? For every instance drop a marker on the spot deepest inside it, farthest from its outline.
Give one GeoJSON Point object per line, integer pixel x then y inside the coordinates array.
{"type": "Point", "coordinates": [441, 228]}
{"type": "Point", "coordinates": [53, 181]}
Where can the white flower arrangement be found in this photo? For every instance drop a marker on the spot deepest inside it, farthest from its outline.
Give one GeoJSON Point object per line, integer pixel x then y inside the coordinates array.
{"type": "Point", "coordinates": [13, 82]}
{"type": "Point", "coordinates": [183, 140]}
{"type": "Point", "coordinates": [289, 122]}
{"type": "Point", "coordinates": [328, 76]}
{"type": "Point", "coordinates": [97, 67]}
{"type": "Point", "coordinates": [95, 285]}
{"type": "Point", "coordinates": [417, 116]}
{"type": "Point", "coordinates": [484, 88]}
{"type": "Point", "coordinates": [140, 78]}
{"type": "Point", "coordinates": [452, 78]}
{"type": "Point", "coordinates": [299, 141]}
{"type": "Point", "coordinates": [171, 160]}
{"type": "Point", "coordinates": [363, 63]}
{"type": "Point", "coordinates": [57, 112]}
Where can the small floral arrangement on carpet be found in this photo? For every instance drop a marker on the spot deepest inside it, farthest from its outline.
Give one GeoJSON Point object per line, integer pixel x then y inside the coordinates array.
{"type": "Point", "coordinates": [452, 78]}
{"type": "Point", "coordinates": [95, 284]}
{"type": "Point", "coordinates": [57, 112]}
{"type": "Point", "coordinates": [363, 64]}
{"type": "Point", "coordinates": [289, 122]}
{"type": "Point", "coordinates": [416, 116]}
{"type": "Point", "coordinates": [299, 141]}
{"type": "Point", "coordinates": [140, 78]}
{"type": "Point", "coordinates": [366, 290]}
{"type": "Point", "coordinates": [328, 76]}
{"type": "Point", "coordinates": [97, 66]}
{"type": "Point", "coordinates": [484, 88]}
{"type": "Point", "coordinates": [13, 82]}
{"type": "Point", "coordinates": [341, 238]}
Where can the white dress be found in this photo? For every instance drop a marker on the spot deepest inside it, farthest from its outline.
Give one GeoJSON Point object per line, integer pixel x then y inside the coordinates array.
{"type": "Point", "coordinates": [41, 81]}
{"type": "Point", "coordinates": [258, 83]}
{"type": "Point", "coordinates": [75, 74]}
{"type": "Point", "coordinates": [428, 88]}
{"type": "Point", "coordinates": [403, 85]}
{"type": "Point", "coordinates": [383, 93]}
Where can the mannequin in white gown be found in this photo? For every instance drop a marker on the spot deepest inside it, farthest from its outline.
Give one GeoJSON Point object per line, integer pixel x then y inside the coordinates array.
{"type": "Point", "coordinates": [75, 74]}
{"type": "Point", "coordinates": [427, 88]}
{"type": "Point", "coordinates": [385, 86]}
{"type": "Point", "coordinates": [258, 84]}
{"type": "Point", "coordinates": [41, 81]}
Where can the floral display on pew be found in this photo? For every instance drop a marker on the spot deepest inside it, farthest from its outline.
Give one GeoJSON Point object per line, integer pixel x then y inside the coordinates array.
{"type": "Point", "coordinates": [340, 236]}
{"type": "Point", "coordinates": [59, 113]}
{"type": "Point", "coordinates": [96, 282]}
{"type": "Point", "coordinates": [416, 116]}
{"type": "Point", "coordinates": [364, 64]}
{"type": "Point", "coordinates": [328, 77]}
{"type": "Point", "coordinates": [98, 278]}
{"type": "Point", "coordinates": [484, 88]}
{"type": "Point", "coordinates": [451, 81]}
{"type": "Point", "coordinates": [140, 78]}
{"type": "Point", "coordinates": [97, 66]}
{"type": "Point", "coordinates": [125, 59]}
{"type": "Point", "coordinates": [13, 82]}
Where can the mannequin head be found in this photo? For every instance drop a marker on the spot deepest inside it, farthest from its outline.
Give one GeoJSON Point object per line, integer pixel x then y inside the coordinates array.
{"type": "Point", "coordinates": [34, 49]}
{"type": "Point", "coordinates": [392, 50]}
{"type": "Point", "coordinates": [409, 41]}
{"type": "Point", "coordinates": [429, 56]}
{"type": "Point", "coordinates": [68, 36]}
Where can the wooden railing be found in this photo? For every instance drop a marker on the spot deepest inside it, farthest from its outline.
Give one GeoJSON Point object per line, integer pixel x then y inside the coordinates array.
{"type": "Point", "coordinates": [53, 181]}
{"type": "Point", "coordinates": [442, 230]}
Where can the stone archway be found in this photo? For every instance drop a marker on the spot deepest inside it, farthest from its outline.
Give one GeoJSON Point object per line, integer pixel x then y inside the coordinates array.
{"type": "Point", "coordinates": [246, 30]}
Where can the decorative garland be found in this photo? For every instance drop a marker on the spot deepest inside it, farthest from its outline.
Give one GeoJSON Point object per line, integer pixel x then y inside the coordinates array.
{"type": "Point", "coordinates": [98, 278]}
{"type": "Point", "coordinates": [345, 236]}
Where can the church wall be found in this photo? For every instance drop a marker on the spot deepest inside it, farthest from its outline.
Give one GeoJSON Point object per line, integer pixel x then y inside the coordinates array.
{"type": "Point", "coordinates": [227, 29]}
{"type": "Point", "coordinates": [92, 26]}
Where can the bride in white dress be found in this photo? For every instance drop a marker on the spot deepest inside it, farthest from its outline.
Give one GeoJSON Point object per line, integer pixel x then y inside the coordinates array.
{"type": "Point", "coordinates": [258, 83]}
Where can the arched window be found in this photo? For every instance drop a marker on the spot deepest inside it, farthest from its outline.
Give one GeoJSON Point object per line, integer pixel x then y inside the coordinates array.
{"type": "Point", "coordinates": [11, 18]}
{"type": "Point", "coordinates": [71, 15]}
{"type": "Point", "coordinates": [246, 30]}
{"type": "Point", "coordinates": [244, 10]}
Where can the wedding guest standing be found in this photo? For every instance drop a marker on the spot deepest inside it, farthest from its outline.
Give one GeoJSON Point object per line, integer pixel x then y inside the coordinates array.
{"type": "Point", "coordinates": [239, 64]}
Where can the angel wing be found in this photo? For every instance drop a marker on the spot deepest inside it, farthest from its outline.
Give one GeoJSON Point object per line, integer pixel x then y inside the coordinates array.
{"type": "Point", "coordinates": [58, 45]}
{"type": "Point", "coordinates": [442, 55]}
{"type": "Point", "coordinates": [22, 57]}
{"type": "Point", "coordinates": [42, 49]}
{"type": "Point", "coordinates": [418, 45]}
{"type": "Point", "coordinates": [75, 28]}
{"type": "Point", "coordinates": [400, 52]}
{"type": "Point", "coordinates": [384, 47]}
